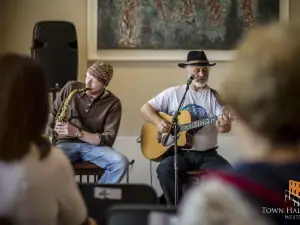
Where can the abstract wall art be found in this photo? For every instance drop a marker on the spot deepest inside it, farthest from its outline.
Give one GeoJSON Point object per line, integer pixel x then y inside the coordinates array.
{"type": "Point", "coordinates": [178, 24]}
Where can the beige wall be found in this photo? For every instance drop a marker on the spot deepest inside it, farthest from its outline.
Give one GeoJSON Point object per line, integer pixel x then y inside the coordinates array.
{"type": "Point", "coordinates": [21, 16]}
{"type": "Point", "coordinates": [133, 82]}
{"type": "Point", "coordinates": [2, 30]}
{"type": "Point", "coordinates": [294, 11]}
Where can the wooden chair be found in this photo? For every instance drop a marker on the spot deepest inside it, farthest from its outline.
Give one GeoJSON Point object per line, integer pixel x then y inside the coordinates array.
{"type": "Point", "coordinates": [83, 168]}
{"type": "Point", "coordinates": [88, 169]}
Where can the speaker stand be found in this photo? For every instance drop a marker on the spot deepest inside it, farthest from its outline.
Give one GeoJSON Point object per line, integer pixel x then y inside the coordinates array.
{"type": "Point", "coordinates": [53, 91]}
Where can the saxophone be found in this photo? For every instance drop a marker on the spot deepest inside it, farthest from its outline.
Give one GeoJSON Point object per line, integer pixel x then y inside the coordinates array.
{"type": "Point", "coordinates": [62, 113]}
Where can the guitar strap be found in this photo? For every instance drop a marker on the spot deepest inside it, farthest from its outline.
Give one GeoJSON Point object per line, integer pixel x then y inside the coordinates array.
{"type": "Point", "coordinates": [216, 94]}
{"type": "Point", "coordinates": [218, 97]}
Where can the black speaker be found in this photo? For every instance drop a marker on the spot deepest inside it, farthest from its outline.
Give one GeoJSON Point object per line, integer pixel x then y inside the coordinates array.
{"type": "Point", "coordinates": [55, 47]}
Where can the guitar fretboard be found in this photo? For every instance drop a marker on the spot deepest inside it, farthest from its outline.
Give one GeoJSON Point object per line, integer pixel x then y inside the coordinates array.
{"type": "Point", "coordinates": [198, 123]}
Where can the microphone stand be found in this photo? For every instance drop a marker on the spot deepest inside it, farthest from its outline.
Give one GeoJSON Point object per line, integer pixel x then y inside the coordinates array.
{"type": "Point", "coordinates": [175, 129]}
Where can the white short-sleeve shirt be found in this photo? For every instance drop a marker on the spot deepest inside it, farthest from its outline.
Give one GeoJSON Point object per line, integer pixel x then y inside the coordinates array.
{"type": "Point", "coordinates": [200, 104]}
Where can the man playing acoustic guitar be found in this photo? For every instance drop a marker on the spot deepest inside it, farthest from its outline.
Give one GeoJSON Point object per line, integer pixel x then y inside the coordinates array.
{"type": "Point", "coordinates": [201, 102]}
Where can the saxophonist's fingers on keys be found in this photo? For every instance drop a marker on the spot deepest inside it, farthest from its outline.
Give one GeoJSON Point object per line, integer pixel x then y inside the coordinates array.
{"type": "Point", "coordinates": [62, 133]}
{"type": "Point", "coordinates": [60, 123]}
{"type": "Point", "coordinates": [61, 129]}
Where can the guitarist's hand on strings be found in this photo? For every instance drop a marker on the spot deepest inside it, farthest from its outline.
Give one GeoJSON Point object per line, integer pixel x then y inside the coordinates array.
{"type": "Point", "coordinates": [222, 120]}
{"type": "Point", "coordinates": [223, 123]}
{"type": "Point", "coordinates": [163, 126]}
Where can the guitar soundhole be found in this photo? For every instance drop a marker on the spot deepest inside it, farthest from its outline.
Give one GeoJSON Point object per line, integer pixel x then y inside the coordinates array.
{"type": "Point", "coordinates": [168, 140]}
{"type": "Point", "coordinates": [159, 137]}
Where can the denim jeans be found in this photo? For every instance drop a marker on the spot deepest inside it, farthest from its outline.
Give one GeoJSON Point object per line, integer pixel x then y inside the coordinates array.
{"type": "Point", "coordinates": [114, 163]}
{"type": "Point", "coordinates": [187, 161]}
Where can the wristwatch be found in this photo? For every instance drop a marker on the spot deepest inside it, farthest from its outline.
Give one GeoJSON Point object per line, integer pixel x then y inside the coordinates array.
{"type": "Point", "coordinates": [79, 133]}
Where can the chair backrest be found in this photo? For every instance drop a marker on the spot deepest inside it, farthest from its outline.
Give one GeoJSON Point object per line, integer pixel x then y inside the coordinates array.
{"type": "Point", "coordinates": [99, 197]}
{"type": "Point", "coordinates": [162, 218]}
{"type": "Point", "coordinates": [135, 214]}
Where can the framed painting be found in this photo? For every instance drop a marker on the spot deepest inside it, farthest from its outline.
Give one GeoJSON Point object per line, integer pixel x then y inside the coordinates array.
{"type": "Point", "coordinates": [156, 30]}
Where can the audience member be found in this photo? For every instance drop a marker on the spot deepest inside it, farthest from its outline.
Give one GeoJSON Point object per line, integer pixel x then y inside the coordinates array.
{"type": "Point", "coordinates": [262, 90]}
{"type": "Point", "coordinates": [37, 184]}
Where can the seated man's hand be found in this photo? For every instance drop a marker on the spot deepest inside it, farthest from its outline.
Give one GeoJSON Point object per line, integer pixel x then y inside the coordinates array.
{"type": "Point", "coordinates": [222, 120]}
{"type": "Point", "coordinates": [163, 126]}
{"type": "Point", "coordinates": [65, 129]}
{"type": "Point", "coordinates": [223, 124]}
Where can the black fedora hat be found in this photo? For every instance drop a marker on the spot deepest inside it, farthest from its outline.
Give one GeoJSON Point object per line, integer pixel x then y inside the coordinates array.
{"type": "Point", "coordinates": [196, 58]}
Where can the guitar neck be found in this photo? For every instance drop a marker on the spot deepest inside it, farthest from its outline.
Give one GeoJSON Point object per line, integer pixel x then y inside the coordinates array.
{"type": "Point", "coordinates": [198, 123]}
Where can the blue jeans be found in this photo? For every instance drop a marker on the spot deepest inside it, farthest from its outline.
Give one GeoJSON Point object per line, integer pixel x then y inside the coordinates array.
{"type": "Point", "coordinates": [114, 163]}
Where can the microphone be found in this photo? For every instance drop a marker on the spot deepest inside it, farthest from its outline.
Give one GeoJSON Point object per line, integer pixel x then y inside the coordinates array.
{"type": "Point", "coordinates": [192, 77]}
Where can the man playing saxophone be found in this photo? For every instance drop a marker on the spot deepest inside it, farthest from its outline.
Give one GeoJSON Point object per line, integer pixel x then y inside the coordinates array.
{"type": "Point", "coordinates": [85, 120]}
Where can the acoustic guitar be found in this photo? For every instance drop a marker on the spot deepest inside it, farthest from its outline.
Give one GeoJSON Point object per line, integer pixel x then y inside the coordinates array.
{"type": "Point", "coordinates": [156, 146]}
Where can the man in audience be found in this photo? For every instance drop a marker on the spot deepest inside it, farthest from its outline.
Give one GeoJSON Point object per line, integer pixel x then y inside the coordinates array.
{"type": "Point", "coordinates": [92, 125]}
{"type": "Point", "coordinates": [262, 91]}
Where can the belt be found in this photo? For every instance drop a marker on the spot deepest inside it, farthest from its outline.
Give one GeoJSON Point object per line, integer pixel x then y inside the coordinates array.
{"type": "Point", "coordinates": [200, 151]}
